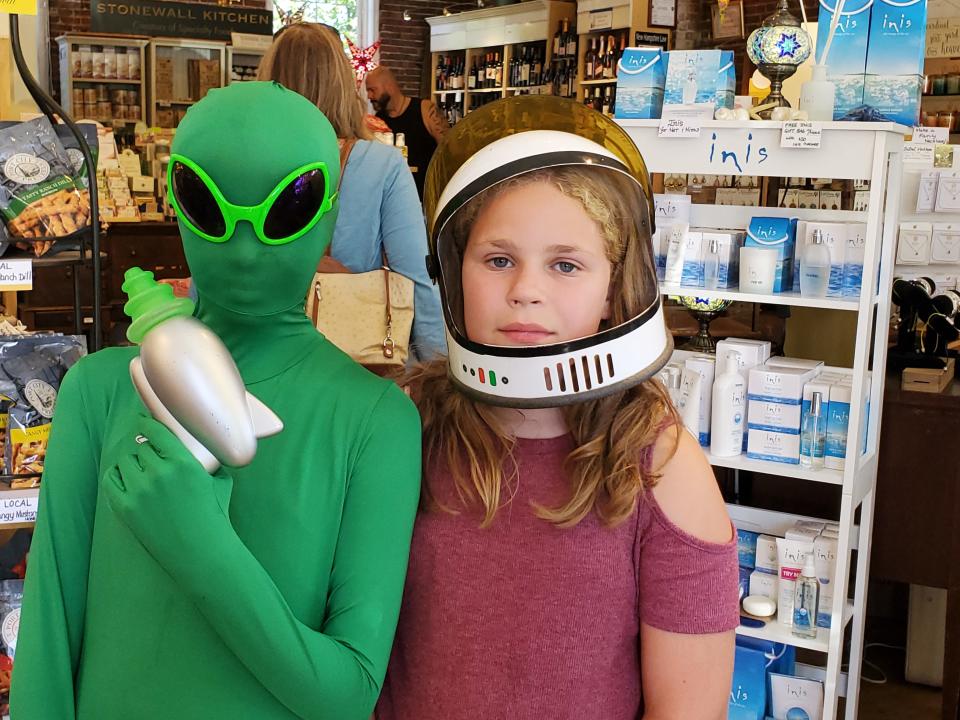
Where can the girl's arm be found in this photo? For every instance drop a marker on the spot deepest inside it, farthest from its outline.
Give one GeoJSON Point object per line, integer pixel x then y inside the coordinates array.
{"type": "Point", "coordinates": [688, 589]}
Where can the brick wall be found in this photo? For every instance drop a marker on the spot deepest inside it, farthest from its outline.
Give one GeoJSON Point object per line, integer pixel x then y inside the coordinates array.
{"type": "Point", "coordinates": [405, 45]}
{"type": "Point", "coordinates": [71, 16]}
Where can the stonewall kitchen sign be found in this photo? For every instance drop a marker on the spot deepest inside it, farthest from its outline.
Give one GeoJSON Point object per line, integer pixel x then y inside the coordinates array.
{"type": "Point", "coordinates": [161, 18]}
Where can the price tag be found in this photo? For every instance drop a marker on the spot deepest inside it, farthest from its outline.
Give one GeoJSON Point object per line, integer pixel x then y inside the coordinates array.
{"type": "Point", "coordinates": [919, 154]}
{"type": "Point", "coordinates": [16, 274]}
{"type": "Point", "coordinates": [802, 135]}
{"type": "Point", "coordinates": [18, 510]}
{"type": "Point", "coordinates": [931, 135]}
{"type": "Point", "coordinates": [679, 127]}
{"type": "Point", "coordinates": [601, 19]}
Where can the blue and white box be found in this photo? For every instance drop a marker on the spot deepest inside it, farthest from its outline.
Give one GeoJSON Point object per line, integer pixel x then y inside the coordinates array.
{"type": "Point", "coordinates": [776, 233]}
{"type": "Point", "coordinates": [728, 243]}
{"type": "Point", "coordinates": [693, 78]}
{"type": "Point", "coordinates": [641, 75]}
{"type": "Point", "coordinates": [669, 209]}
{"type": "Point", "coordinates": [727, 83]}
{"type": "Point", "coordinates": [853, 259]}
{"type": "Point", "coordinates": [747, 548]}
{"type": "Point", "coordinates": [692, 274]}
{"type": "Point", "coordinates": [895, 58]}
{"type": "Point", "coordinates": [773, 446]}
{"type": "Point", "coordinates": [774, 416]}
{"type": "Point", "coordinates": [706, 366]}
{"type": "Point", "coordinates": [847, 62]}
{"type": "Point", "coordinates": [838, 421]}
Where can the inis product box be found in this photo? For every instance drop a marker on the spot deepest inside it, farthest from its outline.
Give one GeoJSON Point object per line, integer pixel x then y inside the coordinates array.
{"type": "Point", "coordinates": [640, 81]}
{"type": "Point", "coordinates": [847, 62]}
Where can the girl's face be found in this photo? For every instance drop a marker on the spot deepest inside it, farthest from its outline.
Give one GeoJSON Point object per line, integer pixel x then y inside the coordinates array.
{"type": "Point", "coordinates": [535, 270]}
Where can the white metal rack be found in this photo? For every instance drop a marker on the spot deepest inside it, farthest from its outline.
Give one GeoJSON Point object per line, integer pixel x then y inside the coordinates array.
{"type": "Point", "coordinates": [855, 151]}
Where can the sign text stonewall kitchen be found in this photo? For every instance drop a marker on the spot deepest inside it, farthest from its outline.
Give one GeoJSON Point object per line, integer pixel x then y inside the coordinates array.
{"type": "Point", "coordinates": [161, 18]}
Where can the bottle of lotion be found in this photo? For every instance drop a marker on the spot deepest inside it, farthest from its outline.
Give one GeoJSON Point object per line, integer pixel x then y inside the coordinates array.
{"type": "Point", "coordinates": [729, 409]}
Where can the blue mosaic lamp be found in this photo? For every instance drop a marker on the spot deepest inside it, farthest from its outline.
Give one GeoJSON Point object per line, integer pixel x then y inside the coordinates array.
{"type": "Point", "coordinates": [777, 48]}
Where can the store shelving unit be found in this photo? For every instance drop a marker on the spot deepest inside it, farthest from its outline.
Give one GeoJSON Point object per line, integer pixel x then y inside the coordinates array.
{"type": "Point", "coordinates": [597, 22]}
{"type": "Point", "coordinates": [475, 33]}
{"type": "Point", "coordinates": [89, 92]}
{"type": "Point", "coordinates": [865, 151]}
{"type": "Point", "coordinates": [245, 59]}
{"type": "Point", "coordinates": [168, 72]}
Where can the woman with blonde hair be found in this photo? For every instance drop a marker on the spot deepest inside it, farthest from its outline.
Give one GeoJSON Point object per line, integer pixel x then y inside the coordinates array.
{"type": "Point", "coordinates": [380, 212]}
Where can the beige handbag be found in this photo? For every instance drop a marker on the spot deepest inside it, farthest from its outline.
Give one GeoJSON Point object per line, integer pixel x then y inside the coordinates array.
{"type": "Point", "coordinates": [367, 315]}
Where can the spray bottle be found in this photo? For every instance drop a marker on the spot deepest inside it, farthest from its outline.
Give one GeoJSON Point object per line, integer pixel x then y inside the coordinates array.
{"type": "Point", "coordinates": [188, 380]}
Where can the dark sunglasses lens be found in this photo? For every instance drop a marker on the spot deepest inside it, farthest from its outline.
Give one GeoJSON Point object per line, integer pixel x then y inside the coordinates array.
{"type": "Point", "coordinates": [197, 202]}
{"type": "Point", "coordinates": [296, 205]}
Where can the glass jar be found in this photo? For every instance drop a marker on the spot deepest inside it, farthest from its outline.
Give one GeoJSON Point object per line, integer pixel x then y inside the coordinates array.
{"type": "Point", "coordinates": [945, 119]}
{"type": "Point", "coordinates": [939, 84]}
{"type": "Point", "coordinates": [953, 84]}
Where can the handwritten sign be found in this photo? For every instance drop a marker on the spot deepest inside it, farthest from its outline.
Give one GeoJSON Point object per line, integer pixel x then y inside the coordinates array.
{"type": "Point", "coordinates": [19, 510]}
{"type": "Point", "coordinates": [802, 135]}
{"type": "Point", "coordinates": [931, 135]}
{"type": "Point", "coordinates": [601, 19]}
{"type": "Point", "coordinates": [943, 37]}
{"type": "Point", "coordinates": [16, 274]}
{"type": "Point", "coordinates": [679, 127]}
{"type": "Point", "coordinates": [919, 154]}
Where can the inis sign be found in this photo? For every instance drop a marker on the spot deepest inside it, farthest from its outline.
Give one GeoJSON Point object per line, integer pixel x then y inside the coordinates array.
{"type": "Point", "coordinates": [160, 18]}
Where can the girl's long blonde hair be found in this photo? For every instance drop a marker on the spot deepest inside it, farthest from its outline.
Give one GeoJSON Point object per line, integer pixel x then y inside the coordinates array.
{"type": "Point", "coordinates": [609, 468]}
{"type": "Point", "coordinates": [309, 59]}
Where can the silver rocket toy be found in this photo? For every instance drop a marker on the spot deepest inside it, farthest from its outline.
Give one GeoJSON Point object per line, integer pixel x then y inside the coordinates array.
{"type": "Point", "coordinates": [188, 380]}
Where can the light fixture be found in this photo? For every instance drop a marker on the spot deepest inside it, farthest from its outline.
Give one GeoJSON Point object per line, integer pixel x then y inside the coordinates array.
{"type": "Point", "coordinates": [407, 17]}
{"type": "Point", "coordinates": [446, 11]}
{"type": "Point", "coordinates": [777, 48]}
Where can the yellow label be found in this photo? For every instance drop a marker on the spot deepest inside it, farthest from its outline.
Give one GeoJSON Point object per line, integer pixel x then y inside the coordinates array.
{"type": "Point", "coordinates": [4, 420]}
{"type": "Point", "coordinates": [21, 435]}
{"type": "Point", "coordinates": [20, 7]}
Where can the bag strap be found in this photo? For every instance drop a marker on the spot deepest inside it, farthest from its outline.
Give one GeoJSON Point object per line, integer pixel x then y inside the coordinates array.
{"type": "Point", "coordinates": [345, 151]}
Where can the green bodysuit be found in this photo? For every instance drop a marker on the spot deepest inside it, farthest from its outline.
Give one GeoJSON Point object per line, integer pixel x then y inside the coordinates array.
{"type": "Point", "coordinates": [264, 592]}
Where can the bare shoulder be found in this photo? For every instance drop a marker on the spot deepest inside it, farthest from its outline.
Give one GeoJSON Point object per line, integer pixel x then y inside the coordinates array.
{"type": "Point", "coordinates": [687, 491]}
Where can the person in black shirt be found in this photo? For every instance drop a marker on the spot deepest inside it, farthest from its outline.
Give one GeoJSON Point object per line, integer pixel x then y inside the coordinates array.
{"type": "Point", "coordinates": [419, 120]}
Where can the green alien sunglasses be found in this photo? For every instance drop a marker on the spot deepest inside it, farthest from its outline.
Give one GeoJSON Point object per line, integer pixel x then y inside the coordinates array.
{"type": "Point", "coordinates": [291, 209]}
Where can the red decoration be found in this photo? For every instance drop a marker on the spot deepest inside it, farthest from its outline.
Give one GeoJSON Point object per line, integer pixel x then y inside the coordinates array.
{"type": "Point", "coordinates": [362, 59]}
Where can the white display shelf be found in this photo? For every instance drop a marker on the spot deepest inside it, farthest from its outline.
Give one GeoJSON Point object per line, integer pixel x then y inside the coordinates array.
{"type": "Point", "coordinates": [451, 92]}
{"type": "Point", "coordinates": [786, 298]}
{"type": "Point", "coordinates": [777, 632]}
{"type": "Point", "coordinates": [847, 151]}
{"type": "Point", "coordinates": [742, 462]}
{"type": "Point", "coordinates": [609, 81]}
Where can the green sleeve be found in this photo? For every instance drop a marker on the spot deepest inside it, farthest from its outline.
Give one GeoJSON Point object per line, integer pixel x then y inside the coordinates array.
{"type": "Point", "coordinates": [55, 595]}
{"type": "Point", "coordinates": [333, 672]}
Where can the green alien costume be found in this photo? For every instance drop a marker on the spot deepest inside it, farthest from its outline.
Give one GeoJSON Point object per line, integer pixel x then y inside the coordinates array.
{"type": "Point", "coordinates": [155, 590]}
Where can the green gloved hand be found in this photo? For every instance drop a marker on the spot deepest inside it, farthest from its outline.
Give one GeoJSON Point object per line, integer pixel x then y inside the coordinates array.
{"type": "Point", "coordinates": [164, 496]}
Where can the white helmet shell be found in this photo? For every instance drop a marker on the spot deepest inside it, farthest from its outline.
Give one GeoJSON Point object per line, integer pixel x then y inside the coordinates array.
{"type": "Point", "coordinates": [609, 361]}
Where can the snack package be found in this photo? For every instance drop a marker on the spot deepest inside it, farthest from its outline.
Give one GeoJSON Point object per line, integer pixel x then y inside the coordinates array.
{"type": "Point", "coordinates": [72, 148]}
{"type": "Point", "coordinates": [11, 599]}
{"type": "Point", "coordinates": [31, 370]}
{"type": "Point", "coordinates": [39, 196]}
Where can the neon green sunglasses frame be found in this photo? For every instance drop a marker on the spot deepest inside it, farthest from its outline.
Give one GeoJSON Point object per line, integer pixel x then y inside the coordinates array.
{"type": "Point", "coordinates": [256, 215]}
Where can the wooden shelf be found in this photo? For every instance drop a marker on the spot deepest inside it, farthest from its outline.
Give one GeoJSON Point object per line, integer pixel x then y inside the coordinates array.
{"type": "Point", "coordinates": [106, 80]}
{"type": "Point", "coordinates": [599, 82]}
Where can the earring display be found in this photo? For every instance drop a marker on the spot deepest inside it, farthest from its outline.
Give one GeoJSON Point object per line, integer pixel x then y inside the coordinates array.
{"type": "Point", "coordinates": [945, 245]}
{"type": "Point", "coordinates": [913, 246]}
